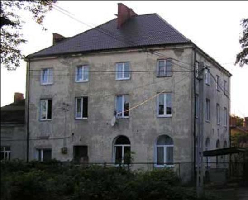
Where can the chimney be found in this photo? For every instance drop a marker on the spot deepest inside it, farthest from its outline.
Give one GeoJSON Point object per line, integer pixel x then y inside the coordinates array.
{"type": "Point", "coordinates": [18, 97]}
{"type": "Point", "coordinates": [57, 38]}
{"type": "Point", "coordinates": [124, 13]}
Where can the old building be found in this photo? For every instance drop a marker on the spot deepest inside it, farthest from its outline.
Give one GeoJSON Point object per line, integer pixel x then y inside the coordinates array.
{"type": "Point", "coordinates": [13, 130]}
{"type": "Point", "coordinates": [126, 85]}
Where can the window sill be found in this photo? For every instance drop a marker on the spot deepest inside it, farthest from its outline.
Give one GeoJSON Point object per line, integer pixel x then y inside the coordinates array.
{"type": "Point", "coordinates": [45, 120]}
{"type": "Point", "coordinates": [122, 79]}
{"type": "Point", "coordinates": [163, 76]}
{"type": "Point", "coordinates": [207, 84]}
{"type": "Point", "coordinates": [46, 84]}
{"type": "Point", "coordinates": [207, 121]}
{"type": "Point", "coordinates": [163, 166]}
{"type": "Point", "coordinates": [82, 81]}
{"type": "Point", "coordinates": [164, 116]}
{"type": "Point", "coordinates": [122, 117]}
{"type": "Point", "coordinates": [83, 118]}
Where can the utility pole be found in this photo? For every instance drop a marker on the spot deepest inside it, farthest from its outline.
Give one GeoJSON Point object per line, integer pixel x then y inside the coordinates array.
{"type": "Point", "coordinates": [200, 135]}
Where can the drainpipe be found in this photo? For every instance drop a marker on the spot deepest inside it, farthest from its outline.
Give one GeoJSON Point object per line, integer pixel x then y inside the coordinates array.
{"type": "Point", "coordinates": [194, 62]}
{"type": "Point", "coordinates": [27, 97]}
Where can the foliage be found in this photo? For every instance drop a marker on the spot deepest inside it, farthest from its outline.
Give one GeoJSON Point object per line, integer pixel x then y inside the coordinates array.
{"type": "Point", "coordinates": [242, 57]}
{"type": "Point", "coordinates": [239, 139]}
{"type": "Point", "coordinates": [11, 25]}
{"type": "Point", "coordinates": [58, 181]}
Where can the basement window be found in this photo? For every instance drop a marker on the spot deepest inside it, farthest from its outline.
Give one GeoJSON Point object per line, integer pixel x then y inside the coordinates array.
{"type": "Point", "coordinates": [164, 68]}
{"type": "Point", "coordinates": [44, 155]}
{"type": "Point", "coordinates": [122, 71]}
{"type": "Point", "coordinates": [81, 108]}
{"type": "Point", "coordinates": [45, 109]}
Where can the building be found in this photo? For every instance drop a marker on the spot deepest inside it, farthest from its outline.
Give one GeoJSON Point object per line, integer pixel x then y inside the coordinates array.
{"type": "Point", "coordinates": [239, 132]}
{"type": "Point", "coordinates": [13, 130]}
{"type": "Point", "coordinates": [126, 85]}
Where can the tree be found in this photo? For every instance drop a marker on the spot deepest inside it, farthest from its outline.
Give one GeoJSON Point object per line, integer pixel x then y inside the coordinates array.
{"type": "Point", "coordinates": [242, 57]}
{"type": "Point", "coordinates": [11, 26]}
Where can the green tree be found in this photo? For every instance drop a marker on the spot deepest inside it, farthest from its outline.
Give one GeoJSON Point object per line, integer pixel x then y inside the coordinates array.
{"type": "Point", "coordinates": [11, 24]}
{"type": "Point", "coordinates": [242, 57]}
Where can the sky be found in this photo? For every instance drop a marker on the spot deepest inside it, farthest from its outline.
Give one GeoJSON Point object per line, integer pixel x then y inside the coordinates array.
{"type": "Point", "coordinates": [213, 26]}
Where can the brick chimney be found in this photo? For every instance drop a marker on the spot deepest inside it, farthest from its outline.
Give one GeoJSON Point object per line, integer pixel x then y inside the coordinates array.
{"type": "Point", "coordinates": [18, 97]}
{"type": "Point", "coordinates": [57, 38]}
{"type": "Point", "coordinates": [124, 13]}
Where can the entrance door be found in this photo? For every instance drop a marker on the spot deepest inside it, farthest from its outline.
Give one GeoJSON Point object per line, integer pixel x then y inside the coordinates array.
{"type": "Point", "coordinates": [80, 154]}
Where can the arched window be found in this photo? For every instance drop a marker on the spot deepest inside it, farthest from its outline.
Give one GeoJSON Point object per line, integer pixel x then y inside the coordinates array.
{"type": "Point", "coordinates": [207, 146]}
{"type": "Point", "coordinates": [164, 151]}
{"type": "Point", "coordinates": [225, 144]}
{"type": "Point", "coordinates": [122, 150]}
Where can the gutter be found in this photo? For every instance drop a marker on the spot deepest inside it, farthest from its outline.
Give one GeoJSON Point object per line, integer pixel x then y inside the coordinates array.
{"type": "Point", "coordinates": [27, 97]}
{"type": "Point", "coordinates": [194, 62]}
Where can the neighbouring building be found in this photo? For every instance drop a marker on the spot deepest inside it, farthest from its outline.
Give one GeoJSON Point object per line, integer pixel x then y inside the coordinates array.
{"type": "Point", "coordinates": [125, 86]}
{"type": "Point", "coordinates": [239, 132]}
{"type": "Point", "coordinates": [13, 130]}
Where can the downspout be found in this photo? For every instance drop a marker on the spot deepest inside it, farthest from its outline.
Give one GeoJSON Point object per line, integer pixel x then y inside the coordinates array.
{"type": "Point", "coordinates": [27, 97]}
{"type": "Point", "coordinates": [194, 62]}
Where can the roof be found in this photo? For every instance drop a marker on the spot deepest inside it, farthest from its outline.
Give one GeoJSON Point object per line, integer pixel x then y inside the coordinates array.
{"type": "Point", "coordinates": [13, 113]}
{"type": "Point", "coordinates": [138, 31]}
{"type": "Point", "coordinates": [224, 151]}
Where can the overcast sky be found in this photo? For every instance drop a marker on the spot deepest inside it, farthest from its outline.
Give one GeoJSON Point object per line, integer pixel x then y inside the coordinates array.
{"type": "Point", "coordinates": [213, 26]}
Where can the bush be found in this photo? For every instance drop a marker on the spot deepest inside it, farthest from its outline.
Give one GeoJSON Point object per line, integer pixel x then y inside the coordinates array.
{"type": "Point", "coordinates": [41, 181]}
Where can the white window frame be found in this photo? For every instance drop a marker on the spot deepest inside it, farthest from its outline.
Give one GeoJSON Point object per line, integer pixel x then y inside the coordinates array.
{"type": "Point", "coordinates": [217, 83]}
{"type": "Point", "coordinates": [6, 153]}
{"type": "Point", "coordinates": [208, 110]}
{"type": "Point", "coordinates": [49, 76]}
{"type": "Point", "coordinates": [41, 153]}
{"type": "Point", "coordinates": [82, 108]}
{"type": "Point", "coordinates": [207, 77]}
{"type": "Point", "coordinates": [122, 153]}
{"type": "Point", "coordinates": [85, 69]}
{"type": "Point", "coordinates": [122, 71]}
{"type": "Point", "coordinates": [225, 117]}
{"type": "Point", "coordinates": [218, 113]}
{"type": "Point", "coordinates": [46, 100]}
{"type": "Point", "coordinates": [122, 108]}
{"type": "Point", "coordinates": [165, 105]}
{"type": "Point", "coordinates": [165, 74]}
{"type": "Point", "coordinates": [165, 155]}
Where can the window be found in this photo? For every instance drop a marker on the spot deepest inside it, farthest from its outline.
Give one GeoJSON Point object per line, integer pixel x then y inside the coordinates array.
{"type": "Point", "coordinates": [80, 153]}
{"type": "Point", "coordinates": [81, 108]}
{"type": "Point", "coordinates": [82, 73]}
{"type": "Point", "coordinates": [122, 71]}
{"type": "Point", "coordinates": [218, 113]}
{"type": "Point", "coordinates": [225, 88]}
{"type": "Point", "coordinates": [122, 150]}
{"type": "Point", "coordinates": [217, 83]}
{"type": "Point", "coordinates": [45, 109]}
{"type": "Point", "coordinates": [225, 144]}
{"type": "Point", "coordinates": [207, 146]}
{"type": "Point", "coordinates": [225, 116]}
{"type": "Point", "coordinates": [164, 151]}
{"type": "Point", "coordinates": [47, 76]}
{"type": "Point", "coordinates": [207, 76]}
{"type": "Point", "coordinates": [197, 108]}
{"type": "Point", "coordinates": [44, 155]}
{"type": "Point", "coordinates": [164, 108]}
{"type": "Point", "coordinates": [122, 106]}
{"type": "Point", "coordinates": [207, 114]}
{"type": "Point", "coordinates": [164, 68]}
{"type": "Point", "coordinates": [5, 153]}
{"type": "Point", "coordinates": [217, 147]}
